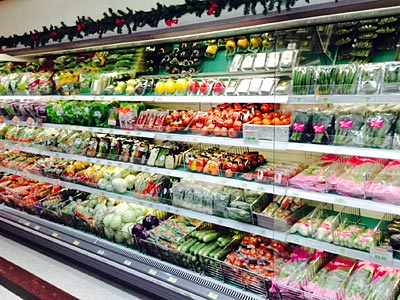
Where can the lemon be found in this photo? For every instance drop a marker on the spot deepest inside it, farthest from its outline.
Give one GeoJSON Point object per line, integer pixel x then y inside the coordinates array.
{"type": "Point", "coordinates": [131, 82]}
{"type": "Point", "coordinates": [122, 84]}
{"type": "Point", "coordinates": [181, 85]}
{"type": "Point", "coordinates": [160, 87]}
{"type": "Point", "coordinates": [118, 90]}
{"type": "Point", "coordinates": [170, 86]}
{"type": "Point", "coordinates": [130, 90]}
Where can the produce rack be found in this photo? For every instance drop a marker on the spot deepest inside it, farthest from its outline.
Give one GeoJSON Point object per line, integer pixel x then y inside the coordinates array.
{"type": "Point", "coordinates": [162, 269]}
{"type": "Point", "coordinates": [127, 265]}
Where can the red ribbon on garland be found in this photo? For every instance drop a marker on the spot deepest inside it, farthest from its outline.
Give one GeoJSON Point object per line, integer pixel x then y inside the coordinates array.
{"type": "Point", "coordinates": [212, 8]}
{"type": "Point", "coordinates": [53, 33]}
{"type": "Point", "coordinates": [169, 23]}
{"type": "Point", "coordinates": [35, 36]}
{"type": "Point", "coordinates": [80, 27]}
{"type": "Point", "coordinates": [119, 21]}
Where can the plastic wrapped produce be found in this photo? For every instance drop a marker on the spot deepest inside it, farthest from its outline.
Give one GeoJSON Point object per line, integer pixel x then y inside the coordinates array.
{"type": "Point", "coordinates": [308, 225]}
{"type": "Point", "coordinates": [322, 127]}
{"type": "Point", "coordinates": [360, 170]}
{"type": "Point", "coordinates": [331, 280]}
{"type": "Point", "coordinates": [359, 281]}
{"type": "Point", "coordinates": [347, 236]}
{"type": "Point", "coordinates": [378, 129]}
{"type": "Point", "coordinates": [315, 176]}
{"type": "Point", "coordinates": [348, 129]}
{"type": "Point", "coordinates": [278, 173]}
{"type": "Point", "coordinates": [385, 187]}
{"type": "Point", "coordinates": [300, 130]}
{"type": "Point", "coordinates": [384, 283]}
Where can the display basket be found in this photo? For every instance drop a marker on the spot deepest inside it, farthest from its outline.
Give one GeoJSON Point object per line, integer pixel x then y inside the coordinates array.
{"type": "Point", "coordinates": [171, 255]}
{"type": "Point", "coordinates": [279, 224]}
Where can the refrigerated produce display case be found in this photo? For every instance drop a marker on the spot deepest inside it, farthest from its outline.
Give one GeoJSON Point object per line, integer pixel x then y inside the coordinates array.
{"type": "Point", "coordinates": [257, 162]}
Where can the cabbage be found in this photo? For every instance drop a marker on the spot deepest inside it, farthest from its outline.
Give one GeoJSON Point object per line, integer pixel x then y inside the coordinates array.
{"type": "Point", "coordinates": [119, 237]}
{"type": "Point", "coordinates": [124, 173]}
{"type": "Point", "coordinates": [126, 230]}
{"type": "Point", "coordinates": [130, 181]}
{"type": "Point", "coordinates": [107, 219]}
{"type": "Point", "coordinates": [119, 185]}
{"type": "Point", "coordinates": [102, 184]}
{"type": "Point", "coordinates": [121, 208]}
{"type": "Point", "coordinates": [128, 216]}
{"type": "Point", "coordinates": [138, 212]}
{"type": "Point", "coordinates": [109, 187]}
{"type": "Point", "coordinates": [109, 232]}
{"type": "Point", "coordinates": [99, 211]}
{"type": "Point", "coordinates": [139, 220]}
{"type": "Point", "coordinates": [116, 221]}
{"type": "Point", "coordinates": [112, 174]}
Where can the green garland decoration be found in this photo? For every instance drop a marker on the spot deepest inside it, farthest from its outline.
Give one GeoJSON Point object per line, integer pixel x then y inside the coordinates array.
{"type": "Point", "coordinates": [115, 21]}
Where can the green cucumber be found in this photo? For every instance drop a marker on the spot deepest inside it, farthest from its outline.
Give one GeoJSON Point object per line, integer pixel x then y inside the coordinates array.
{"type": "Point", "coordinates": [196, 252]}
{"type": "Point", "coordinates": [195, 246]}
{"type": "Point", "coordinates": [203, 233]}
{"type": "Point", "coordinates": [221, 254]}
{"type": "Point", "coordinates": [212, 254]}
{"type": "Point", "coordinates": [224, 240]}
{"type": "Point", "coordinates": [210, 249]}
{"type": "Point", "coordinates": [211, 237]}
{"type": "Point", "coordinates": [188, 245]}
{"type": "Point", "coordinates": [123, 63]}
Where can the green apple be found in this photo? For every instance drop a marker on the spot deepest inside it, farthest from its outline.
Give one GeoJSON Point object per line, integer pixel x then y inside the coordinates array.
{"type": "Point", "coordinates": [131, 82]}
{"type": "Point", "coordinates": [130, 90]}
{"type": "Point", "coordinates": [118, 90]}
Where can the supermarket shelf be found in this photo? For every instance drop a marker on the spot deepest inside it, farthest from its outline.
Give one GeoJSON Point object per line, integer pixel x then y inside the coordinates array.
{"type": "Point", "coordinates": [130, 197]}
{"type": "Point", "coordinates": [355, 99]}
{"type": "Point", "coordinates": [81, 97]}
{"type": "Point", "coordinates": [224, 141]}
{"type": "Point", "coordinates": [144, 134]}
{"type": "Point", "coordinates": [223, 99]}
{"type": "Point", "coordinates": [331, 248]}
{"type": "Point", "coordinates": [368, 152]}
{"type": "Point", "coordinates": [266, 188]}
{"type": "Point", "coordinates": [281, 236]}
{"type": "Point", "coordinates": [345, 201]}
{"type": "Point", "coordinates": [123, 263]}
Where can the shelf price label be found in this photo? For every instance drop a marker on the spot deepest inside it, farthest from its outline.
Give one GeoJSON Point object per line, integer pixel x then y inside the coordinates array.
{"type": "Point", "coordinates": [153, 272]}
{"type": "Point", "coordinates": [342, 251]}
{"type": "Point", "coordinates": [340, 200]}
{"type": "Point", "coordinates": [17, 148]}
{"type": "Point", "coordinates": [56, 183]}
{"type": "Point", "coordinates": [250, 136]}
{"type": "Point", "coordinates": [127, 262]}
{"type": "Point", "coordinates": [101, 252]}
{"type": "Point", "coordinates": [30, 122]}
{"type": "Point", "coordinates": [76, 243]}
{"type": "Point", "coordinates": [213, 295]}
{"type": "Point", "coordinates": [381, 255]}
{"type": "Point", "coordinates": [172, 279]}
{"type": "Point", "coordinates": [15, 120]}
{"type": "Point", "coordinates": [54, 234]}
{"type": "Point", "coordinates": [25, 173]}
{"type": "Point", "coordinates": [37, 227]}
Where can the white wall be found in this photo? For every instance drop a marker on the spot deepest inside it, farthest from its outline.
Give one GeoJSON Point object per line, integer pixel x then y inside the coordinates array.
{"type": "Point", "coordinates": [20, 16]}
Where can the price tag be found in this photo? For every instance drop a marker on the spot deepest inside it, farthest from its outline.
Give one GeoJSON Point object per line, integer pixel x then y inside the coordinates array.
{"type": "Point", "coordinates": [76, 243]}
{"type": "Point", "coordinates": [15, 120]}
{"type": "Point", "coordinates": [103, 194]}
{"type": "Point", "coordinates": [168, 137]}
{"type": "Point", "coordinates": [223, 181]}
{"type": "Point", "coordinates": [220, 221]}
{"type": "Point", "coordinates": [37, 227]}
{"type": "Point", "coordinates": [152, 272]}
{"type": "Point", "coordinates": [127, 262]}
{"type": "Point", "coordinates": [325, 99]}
{"type": "Point", "coordinates": [381, 254]}
{"type": "Point", "coordinates": [368, 99]}
{"type": "Point", "coordinates": [119, 198]}
{"type": "Point", "coordinates": [263, 232]}
{"type": "Point", "coordinates": [2, 146]}
{"type": "Point", "coordinates": [27, 223]}
{"type": "Point", "coordinates": [250, 136]}
{"type": "Point", "coordinates": [17, 148]}
{"type": "Point", "coordinates": [25, 173]}
{"type": "Point", "coordinates": [341, 201]}
{"type": "Point", "coordinates": [195, 139]}
{"type": "Point", "coordinates": [101, 252]}
{"type": "Point", "coordinates": [56, 183]}
{"type": "Point", "coordinates": [213, 295]}
{"type": "Point", "coordinates": [244, 185]}
{"type": "Point", "coordinates": [172, 279]}
{"type": "Point", "coordinates": [30, 122]}
{"type": "Point", "coordinates": [342, 251]}
{"type": "Point", "coordinates": [54, 234]}
{"type": "Point", "coordinates": [297, 240]}
{"type": "Point", "coordinates": [2, 119]}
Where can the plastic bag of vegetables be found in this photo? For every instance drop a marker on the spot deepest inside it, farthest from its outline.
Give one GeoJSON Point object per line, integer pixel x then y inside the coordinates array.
{"type": "Point", "coordinates": [359, 281]}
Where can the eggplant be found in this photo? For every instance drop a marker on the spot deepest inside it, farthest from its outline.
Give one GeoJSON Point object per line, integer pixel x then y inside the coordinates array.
{"type": "Point", "coordinates": [395, 241]}
{"type": "Point", "coordinates": [393, 229]}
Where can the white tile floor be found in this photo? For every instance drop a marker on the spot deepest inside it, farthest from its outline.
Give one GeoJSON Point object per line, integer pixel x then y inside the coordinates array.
{"type": "Point", "coordinates": [75, 282]}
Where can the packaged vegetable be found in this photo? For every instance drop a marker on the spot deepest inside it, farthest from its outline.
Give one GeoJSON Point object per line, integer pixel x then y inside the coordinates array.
{"type": "Point", "coordinates": [322, 125]}
{"type": "Point", "coordinates": [384, 284]}
{"type": "Point", "coordinates": [360, 279]}
{"type": "Point", "coordinates": [370, 79]}
{"type": "Point", "coordinates": [300, 130]}
{"type": "Point", "coordinates": [378, 129]}
{"type": "Point", "coordinates": [348, 129]}
{"type": "Point", "coordinates": [330, 281]}
{"type": "Point", "coordinates": [346, 79]}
